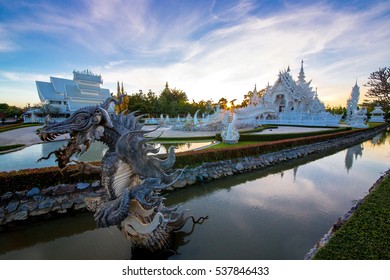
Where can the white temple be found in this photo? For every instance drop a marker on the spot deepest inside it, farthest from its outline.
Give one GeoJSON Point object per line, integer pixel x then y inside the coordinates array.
{"type": "Point", "coordinates": [71, 95]}
{"type": "Point", "coordinates": [287, 102]}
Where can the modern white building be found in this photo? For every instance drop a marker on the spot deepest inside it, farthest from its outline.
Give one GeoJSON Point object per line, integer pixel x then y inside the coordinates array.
{"type": "Point", "coordinates": [70, 95]}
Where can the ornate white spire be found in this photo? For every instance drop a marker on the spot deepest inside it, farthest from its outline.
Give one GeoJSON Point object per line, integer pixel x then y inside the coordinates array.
{"type": "Point", "coordinates": [353, 99]}
{"type": "Point", "coordinates": [355, 93]}
{"type": "Point", "coordinates": [301, 77]}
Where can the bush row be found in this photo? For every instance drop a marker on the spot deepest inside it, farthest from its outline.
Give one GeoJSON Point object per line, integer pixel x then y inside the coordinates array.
{"type": "Point", "coordinates": [10, 147]}
{"type": "Point", "coordinates": [193, 158]}
{"type": "Point", "coordinates": [41, 177]}
{"type": "Point", "coordinates": [17, 125]}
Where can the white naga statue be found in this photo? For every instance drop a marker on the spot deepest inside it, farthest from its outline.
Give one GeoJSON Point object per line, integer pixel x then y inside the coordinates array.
{"type": "Point", "coordinates": [230, 134]}
{"type": "Point", "coordinates": [356, 117]}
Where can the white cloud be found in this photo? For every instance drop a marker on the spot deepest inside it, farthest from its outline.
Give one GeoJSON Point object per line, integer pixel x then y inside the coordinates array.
{"type": "Point", "coordinates": [27, 77]}
{"type": "Point", "coordinates": [145, 49]}
{"type": "Point", "coordinates": [228, 62]}
{"type": "Point", "coordinates": [6, 44]}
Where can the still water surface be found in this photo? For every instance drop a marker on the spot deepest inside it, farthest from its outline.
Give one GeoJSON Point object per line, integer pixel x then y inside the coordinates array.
{"type": "Point", "coordinates": [27, 157]}
{"type": "Point", "coordinates": [279, 213]}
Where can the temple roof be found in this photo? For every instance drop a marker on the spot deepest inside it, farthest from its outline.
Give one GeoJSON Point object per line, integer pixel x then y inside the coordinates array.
{"type": "Point", "coordinates": [378, 110]}
{"type": "Point", "coordinates": [85, 87]}
{"type": "Point", "coordinates": [46, 91]}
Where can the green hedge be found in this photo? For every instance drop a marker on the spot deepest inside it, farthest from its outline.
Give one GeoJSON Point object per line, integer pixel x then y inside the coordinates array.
{"type": "Point", "coordinates": [40, 177]}
{"type": "Point", "coordinates": [10, 147]}
{"type": "Point", "coordinates": [17, 125]}
{"type": "Point", "coordinates": [193, 158]}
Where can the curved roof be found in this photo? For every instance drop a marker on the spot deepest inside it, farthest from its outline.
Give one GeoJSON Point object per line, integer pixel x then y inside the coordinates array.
{"type": "Point", "coordinates": [46, 91]}
{"type": "Point", "coordinates": [76, 92]}
{"type": "Point", "coordinates": [378, 110]}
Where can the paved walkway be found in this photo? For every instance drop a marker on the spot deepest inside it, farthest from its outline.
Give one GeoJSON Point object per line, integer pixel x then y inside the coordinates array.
{"type": "Point", "coordinates": [25, 135]}
{"type": "Point", "coordinates": [167, 132]}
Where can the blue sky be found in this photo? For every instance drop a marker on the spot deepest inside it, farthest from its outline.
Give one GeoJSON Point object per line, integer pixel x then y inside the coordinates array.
{"type": "Point", "coordinates": [209, 49]}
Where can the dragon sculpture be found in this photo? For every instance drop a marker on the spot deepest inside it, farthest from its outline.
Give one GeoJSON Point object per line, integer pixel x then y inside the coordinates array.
{"type": "Point", "coordinates": [131, 173]}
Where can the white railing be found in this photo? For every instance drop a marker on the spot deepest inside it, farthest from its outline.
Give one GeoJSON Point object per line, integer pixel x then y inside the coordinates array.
{"type": "Point", "coordinates": [35, 119]}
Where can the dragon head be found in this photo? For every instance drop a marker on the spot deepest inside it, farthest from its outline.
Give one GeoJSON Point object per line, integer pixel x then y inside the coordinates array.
{"type": "Point", "coordinates": [84, 126]}
{"type": "Point", "coordinates": [134, 149]}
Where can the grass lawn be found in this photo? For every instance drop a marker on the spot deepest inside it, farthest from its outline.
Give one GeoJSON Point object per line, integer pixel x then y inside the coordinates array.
{"type": "Point", "coordinates": [240, 143]}
{"type": "Point", "coordinates": [10, 147]}
{"type": "Point", "coordinates": [17, 125]}
{"type": "Point", "coordinates": [366, 235]}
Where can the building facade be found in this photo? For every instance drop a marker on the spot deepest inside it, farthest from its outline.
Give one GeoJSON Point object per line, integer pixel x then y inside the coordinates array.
{"type": "Point", "coordinates": [70, 95]}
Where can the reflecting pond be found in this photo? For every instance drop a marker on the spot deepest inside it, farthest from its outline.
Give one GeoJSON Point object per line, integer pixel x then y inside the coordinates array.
{"type": "Point", "coordinates": [27, 157]}
{"type": "Point", "coordinates": [278, 213]}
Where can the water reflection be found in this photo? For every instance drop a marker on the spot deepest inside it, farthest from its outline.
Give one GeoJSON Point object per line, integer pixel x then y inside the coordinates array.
{"type": "Point", "coordinates": [27, 157]}
{"type": "Point", "coordinates": [380, 139]}
{"type": "Point", "coordinates": [69, 238]}
{"type": "Point", "coordinates": [277, 213]}
{"type": "Point", "coordinates": [353, 153]}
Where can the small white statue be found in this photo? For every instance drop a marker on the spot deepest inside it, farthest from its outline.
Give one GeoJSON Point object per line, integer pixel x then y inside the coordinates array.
{"type": "Point", "coordinates": [229, 133]}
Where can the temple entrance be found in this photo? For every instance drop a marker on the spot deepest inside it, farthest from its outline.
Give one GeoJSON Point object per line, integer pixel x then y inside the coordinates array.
{"type": "Point", "coordinates": [280, 102]}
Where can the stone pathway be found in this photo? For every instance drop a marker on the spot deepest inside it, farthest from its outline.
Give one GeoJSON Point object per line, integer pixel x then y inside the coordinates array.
{"type": "Point", "coordinates": [25, 135]}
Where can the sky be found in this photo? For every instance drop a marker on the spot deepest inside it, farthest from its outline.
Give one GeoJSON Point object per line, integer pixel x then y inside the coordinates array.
{"type": "Point", "coordinates": [209, 49]}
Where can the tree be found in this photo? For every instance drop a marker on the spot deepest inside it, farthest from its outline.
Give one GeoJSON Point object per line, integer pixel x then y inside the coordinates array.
{"type": "Point", "coordinates": [337, 110]}
{"type": "Point", "coordinates": [8, 111]}
{"type": "Point", "coordinates": [119, 108]}
{"type": "Point", "coordinates": [137, 102]}
{"type": "Point", "coordinates": [379, 87]}
{"type": "Point", "coordinates": [152, 105]}
{"type": "Point", "coordinates": [4, 107]}
{"type": "Point", "coordinates": [172, 100]}
{"type": "Point", "coordinates": [223, 103]}
{"type": "Point", "coordinates": [47, 109]}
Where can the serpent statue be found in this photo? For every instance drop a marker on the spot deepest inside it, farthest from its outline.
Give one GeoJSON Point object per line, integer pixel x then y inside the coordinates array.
{"type": "Point", "coordinates": [131, 173]}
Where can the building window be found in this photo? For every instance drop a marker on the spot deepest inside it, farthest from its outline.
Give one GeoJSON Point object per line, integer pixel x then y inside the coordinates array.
{"type": "Point", "coordinates": [55, 102]}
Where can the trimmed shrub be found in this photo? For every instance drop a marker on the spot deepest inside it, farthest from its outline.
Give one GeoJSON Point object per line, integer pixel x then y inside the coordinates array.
{"type": "Point", "coordinates": [193, 158]}
{"type": "Point", "coordinates": [41, 177]}
{"type": "Point", "coordinates": [10, 147]}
